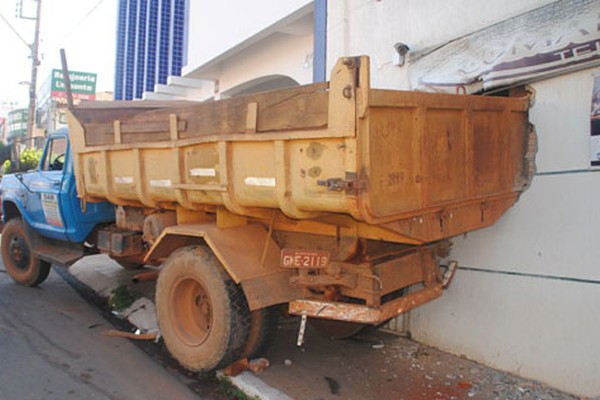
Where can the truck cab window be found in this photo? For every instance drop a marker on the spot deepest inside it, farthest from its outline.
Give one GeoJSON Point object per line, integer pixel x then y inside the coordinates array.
{"type": "Point", "coordinates": [55, 155]}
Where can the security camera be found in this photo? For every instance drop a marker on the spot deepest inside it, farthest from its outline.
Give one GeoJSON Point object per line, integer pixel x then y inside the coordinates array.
{"type": "Point", "coordinates": [399, 56]}
{"type": "Point", "coordinates": [401, 48]}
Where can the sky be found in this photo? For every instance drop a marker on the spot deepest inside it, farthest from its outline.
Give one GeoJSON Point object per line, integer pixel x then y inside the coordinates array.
{"type": "Point", "coordinates": [84, 28]}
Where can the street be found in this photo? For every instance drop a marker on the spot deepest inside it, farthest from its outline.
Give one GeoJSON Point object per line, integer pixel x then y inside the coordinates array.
{"type": "Point", "coordinates": [51, 347]}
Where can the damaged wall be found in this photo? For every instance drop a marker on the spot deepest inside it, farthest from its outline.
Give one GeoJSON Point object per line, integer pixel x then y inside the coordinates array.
{"type": "Point", "coordinates": [525, 298]}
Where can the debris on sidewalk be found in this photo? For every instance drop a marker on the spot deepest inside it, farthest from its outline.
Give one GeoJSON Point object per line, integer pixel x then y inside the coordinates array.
{"type": "Point", "coordinates": [256, 365]}
{"type": "Point", "coordinates": [334, 386]}
{"type": "Point", "coordinates": [236, 368]}
{"type": "Point", "coordinates": [130, 335]}
{"type": "Point", "coordinates": [401, 369]}
{"type": "Point", "coordinates": [142, 313]}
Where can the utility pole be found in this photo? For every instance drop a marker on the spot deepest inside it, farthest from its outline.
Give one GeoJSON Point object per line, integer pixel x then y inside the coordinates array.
{"type": "Point", "coordinates": [35, 62]}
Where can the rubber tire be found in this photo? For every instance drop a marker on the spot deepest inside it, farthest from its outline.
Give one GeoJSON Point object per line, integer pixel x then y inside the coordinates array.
{"type": "Point", "coordinates": [35, 271]}
{"type": "Point", "coordinates": [225, 339]}
{"type": "Point", "coordinates": [337, 329]}
{"type": "Point", "coordinates": [263, 330]}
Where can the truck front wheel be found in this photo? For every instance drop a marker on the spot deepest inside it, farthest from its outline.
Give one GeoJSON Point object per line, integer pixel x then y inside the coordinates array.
{"type": "Point", "coordinates": [203, 315]}
{"type": "Point", "coordinates": [17, 255]}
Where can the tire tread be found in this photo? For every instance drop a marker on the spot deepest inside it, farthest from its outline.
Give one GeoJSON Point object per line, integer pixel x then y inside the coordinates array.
{"type": "Point", "coordinates": [263, 330]}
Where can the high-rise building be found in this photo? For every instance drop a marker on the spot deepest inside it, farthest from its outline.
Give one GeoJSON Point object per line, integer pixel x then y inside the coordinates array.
{"type": "Point", "coordinates": [150, 45]}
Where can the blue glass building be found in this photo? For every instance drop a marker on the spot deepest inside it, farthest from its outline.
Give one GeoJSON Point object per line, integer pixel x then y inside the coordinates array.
{"type": "Point", "coordinates": [150, 45]}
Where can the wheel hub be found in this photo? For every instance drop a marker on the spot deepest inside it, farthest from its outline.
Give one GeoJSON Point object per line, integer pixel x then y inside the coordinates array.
{"type": "Point", "coordinates": [19, 252]}
{"type": "Point", "coordinates": [191, 311]}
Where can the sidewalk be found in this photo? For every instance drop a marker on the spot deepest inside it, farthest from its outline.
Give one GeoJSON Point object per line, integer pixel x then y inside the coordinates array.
{"type": "Point", "coordinates": [374, 365]}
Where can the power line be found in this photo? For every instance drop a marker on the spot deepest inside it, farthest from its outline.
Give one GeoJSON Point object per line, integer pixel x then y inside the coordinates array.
{"type": "Point", "coordinates": [81, 21]}
{"type": "Point", "coordinates": [15, 31]}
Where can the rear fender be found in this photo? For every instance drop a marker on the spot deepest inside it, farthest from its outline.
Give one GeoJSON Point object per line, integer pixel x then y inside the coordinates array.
{"type": "Point", "coordinates": [247, 253]}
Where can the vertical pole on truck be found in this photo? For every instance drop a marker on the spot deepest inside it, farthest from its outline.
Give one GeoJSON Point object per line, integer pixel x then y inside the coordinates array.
{"type": "Point", "coordinates": [67, 78]}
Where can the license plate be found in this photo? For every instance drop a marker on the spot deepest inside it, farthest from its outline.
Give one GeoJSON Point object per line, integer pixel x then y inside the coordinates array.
{"type": "Point", "coordinates": [291, 258]}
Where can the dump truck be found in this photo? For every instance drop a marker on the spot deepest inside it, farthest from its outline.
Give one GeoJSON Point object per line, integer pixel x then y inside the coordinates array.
{"type": "Point", "coordinates": [334, 199]}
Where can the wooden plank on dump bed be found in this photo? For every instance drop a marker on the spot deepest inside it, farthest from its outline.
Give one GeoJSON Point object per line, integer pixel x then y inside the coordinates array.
{"type": "Point", "coordinates": [301, 108]}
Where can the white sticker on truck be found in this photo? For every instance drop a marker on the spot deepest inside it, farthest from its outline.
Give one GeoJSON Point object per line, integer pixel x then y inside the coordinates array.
{"type": "Point", "coordinates": [160, 183]}
{"type": "Point", "coordinates": [124, 180]}
{"type": "Point", "coordinates": [50, 209]}
{"type": "Point", "coordinates": [257, 181]}
{"type": "Point", "coordinates": [203, 172]}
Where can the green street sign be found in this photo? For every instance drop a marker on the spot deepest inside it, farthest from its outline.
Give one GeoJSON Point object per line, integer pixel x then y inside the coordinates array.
{"type": "Point", "coordinates": [83, 85]}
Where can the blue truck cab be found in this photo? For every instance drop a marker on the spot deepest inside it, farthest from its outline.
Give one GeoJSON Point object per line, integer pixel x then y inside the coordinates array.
{"type": "Point", "coordinates": [41, 210]}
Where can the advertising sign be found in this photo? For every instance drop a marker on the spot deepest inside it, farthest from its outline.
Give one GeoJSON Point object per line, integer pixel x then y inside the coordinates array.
{"type": "Point", "coordinates": [17, 123]}
{"type": "Point", "coordinates": [83, 85]}
{"type": "Point", "coordinates": [561, 37]}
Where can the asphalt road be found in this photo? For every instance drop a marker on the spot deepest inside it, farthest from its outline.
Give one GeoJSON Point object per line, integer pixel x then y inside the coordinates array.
{"type": "Point", "coordinates": [51, 347]}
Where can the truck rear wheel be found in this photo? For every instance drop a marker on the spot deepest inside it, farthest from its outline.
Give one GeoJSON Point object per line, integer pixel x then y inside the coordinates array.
{"type": "Point", "coordinates": [203, 315]}
{"type": "Point", "coordinates": [337, 329]}
{"type": "Point", "coordinates": [263, 329]}
{"type": "Point", "coordinates": [17, 255]}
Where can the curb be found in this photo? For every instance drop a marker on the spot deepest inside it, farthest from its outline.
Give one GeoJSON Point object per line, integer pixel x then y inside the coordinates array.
{"type": "Point", "coordinates": [101, 275]}
{"type": "Point", "coordinates": [254, 387]}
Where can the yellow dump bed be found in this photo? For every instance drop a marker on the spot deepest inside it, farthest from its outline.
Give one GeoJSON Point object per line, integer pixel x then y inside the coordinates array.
{"type": "Point", "coordinates": [422, 166]}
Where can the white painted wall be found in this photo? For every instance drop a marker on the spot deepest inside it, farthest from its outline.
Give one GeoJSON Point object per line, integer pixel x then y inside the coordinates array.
{"type": "Point", "coordinates": [370, 27]}
{"type": "Point", "coordinates": [238, 41]}
{"type": "Point", "coordinates": [217, 26]}
{"type": "Point", "coordinates": [533, 326]}
{"type": "Point", "coordinates": [537, 327]}
{"type": "Point", "coordinates": [287, 55]}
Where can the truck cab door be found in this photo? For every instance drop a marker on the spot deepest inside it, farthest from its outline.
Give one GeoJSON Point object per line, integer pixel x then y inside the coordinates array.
{"type": "Point", "coordinates": [45, 185]}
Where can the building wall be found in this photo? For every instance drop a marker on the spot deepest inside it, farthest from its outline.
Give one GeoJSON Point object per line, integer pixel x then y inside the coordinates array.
{"type": "Point", "coordinates": [232, 22]}
{"type": "Point", "coordinates": [150, 37]}
{"type": "Point", "coordinates": [539, 322]}
{"type": "Point", "coordinates": [370, 27]}
{"type": "Point", "coordinates": [272, 49]}
{"type": "Point", "coordinates": [288, 56]}
{"type": "Point", "coordinates": [525, 298]}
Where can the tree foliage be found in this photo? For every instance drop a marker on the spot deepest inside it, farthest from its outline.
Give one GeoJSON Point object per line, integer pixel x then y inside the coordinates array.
{"type": "Point", "coordinates": [29, 159]}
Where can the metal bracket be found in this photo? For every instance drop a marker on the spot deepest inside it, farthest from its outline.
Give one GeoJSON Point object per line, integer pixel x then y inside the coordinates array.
{"type": "Point", "coordinates": [350, 185]}
{"type": "Point", "coordinates": [302, 329]}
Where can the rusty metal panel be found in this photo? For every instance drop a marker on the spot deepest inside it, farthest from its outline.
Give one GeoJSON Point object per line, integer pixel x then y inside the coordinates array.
{"type": "Point", "coordinates": [490, 151]}
{"type": "Point", "coordinates": [445, 148]}
{"type": "Point", "coordinates": [364, 314]}
{"type": "Point", "coordinates": [260, 255]}
{"type": "Point", "coordinates": [394, 160]}
{"type": "Point", "coordinates": [120, 243]}
{"type": "Point", "coordinates": [431, 152]}
{"type": "Point", "coordinates": [416, 163]}
{"type": "Point", "coordinates": [246, 252]}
